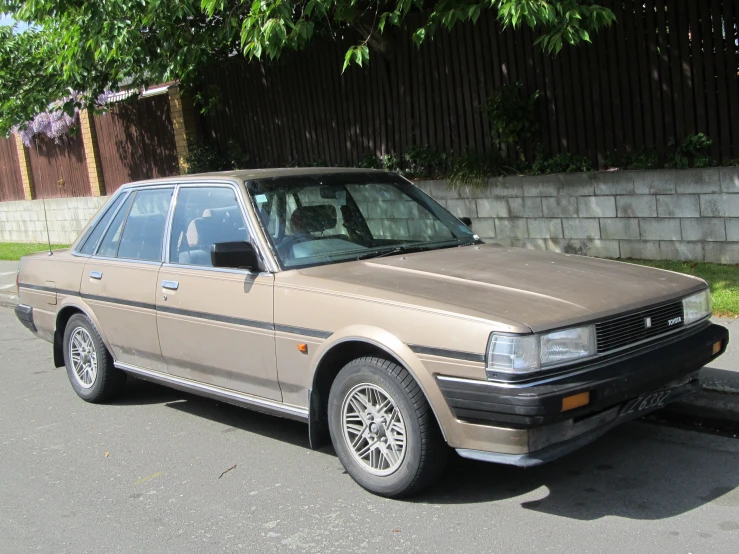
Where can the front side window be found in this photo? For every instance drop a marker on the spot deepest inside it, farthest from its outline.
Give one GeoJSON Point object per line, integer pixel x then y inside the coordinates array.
{"type": "Point", "coordinates": [319, 219]}
{"type": "Point", "coordinates": [137, 232]}
{"type": "Point", "coordinates": [203, 217]}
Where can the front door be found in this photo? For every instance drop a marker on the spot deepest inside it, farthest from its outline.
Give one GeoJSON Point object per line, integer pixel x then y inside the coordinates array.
{"type": "Point", "coordinates": [215, 325]}
{"type": "Point", "coordinates": [120, 281]}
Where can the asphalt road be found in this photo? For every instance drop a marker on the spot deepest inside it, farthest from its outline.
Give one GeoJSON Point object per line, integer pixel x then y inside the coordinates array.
{"type": "Point", "coordinates": [162, 471]}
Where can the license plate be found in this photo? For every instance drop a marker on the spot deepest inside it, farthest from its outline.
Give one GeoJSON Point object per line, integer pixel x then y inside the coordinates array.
{"type": "Point", "coordinates": [645, 403]}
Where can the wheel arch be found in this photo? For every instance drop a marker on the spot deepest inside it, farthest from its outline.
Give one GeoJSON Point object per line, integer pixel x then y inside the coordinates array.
{"type": "Point", "coordinates": [62, 318]}
{"type": "Point", "coordinates": [353, 343]}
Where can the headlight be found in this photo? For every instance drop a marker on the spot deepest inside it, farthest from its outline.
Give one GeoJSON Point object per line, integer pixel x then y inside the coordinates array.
{"type": "Point", "coordinates": [697, 306]}
{"type": "Point", "coordinates": [525, 353]}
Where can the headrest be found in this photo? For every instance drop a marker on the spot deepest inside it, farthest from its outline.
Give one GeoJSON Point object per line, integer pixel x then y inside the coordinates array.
{"type": "Point", "coordinates": [198, 232]}
{"type": "Point", "coordinates": [313, 219]}
{"type": "Point", "coordinates": [221, 212]}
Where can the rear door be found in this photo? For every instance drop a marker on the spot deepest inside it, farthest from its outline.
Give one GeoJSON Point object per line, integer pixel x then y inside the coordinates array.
{"type": "Point", "coordinates": [119, 282]}
{"type": "Point", "coordinates": [215, 325]}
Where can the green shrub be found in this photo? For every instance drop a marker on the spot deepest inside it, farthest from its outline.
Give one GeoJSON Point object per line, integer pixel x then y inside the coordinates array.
{"type": "Point", "coordinates": [564, 162]}
{"type": "Point", "coordinates": [390, 162]}
{"type": "Point", "coordinates": [424, 163]}
{"type": "Point", "coordinates": [204, 158]}
{"type": "Point", "coordinates": [690, 152]}
{"type": "Point", "coordinates": [512, 115]}
{"type": "Point", "coordinates": [369, 161]}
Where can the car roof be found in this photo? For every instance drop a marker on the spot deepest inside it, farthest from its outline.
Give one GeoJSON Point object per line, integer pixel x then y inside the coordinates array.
{"type": "Point", "coordinates": [250, 174]}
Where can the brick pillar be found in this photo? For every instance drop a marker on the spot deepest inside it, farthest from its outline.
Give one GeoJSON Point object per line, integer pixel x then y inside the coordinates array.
{"type": "Point", "coordinates": [92, 154]}
{"type": "Point", "coordinates": [183, 121]}
{"type": "Point", "coordinates": [25, 164]}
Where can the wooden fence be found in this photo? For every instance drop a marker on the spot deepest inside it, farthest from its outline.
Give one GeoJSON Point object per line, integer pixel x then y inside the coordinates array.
{"type": "Point", "coordinates": [11, 187]}
{"type": "Point", "coordinates": [58, 167]}
{"type": "Point", "coordinates": [136, 141]}
{"type": "Point", "coordinates": [667, 69]}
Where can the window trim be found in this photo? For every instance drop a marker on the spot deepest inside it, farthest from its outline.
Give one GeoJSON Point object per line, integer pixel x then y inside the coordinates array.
{"type": "Point", "coordinates": [135, 190]}
{"type": "Point", "coordinates": [247, 220]}
{"type": "Point", "coordinates": [91, 227]}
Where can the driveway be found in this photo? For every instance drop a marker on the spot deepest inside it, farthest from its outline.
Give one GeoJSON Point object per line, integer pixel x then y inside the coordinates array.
{"type": "Point", "coordinates": [163, 471]}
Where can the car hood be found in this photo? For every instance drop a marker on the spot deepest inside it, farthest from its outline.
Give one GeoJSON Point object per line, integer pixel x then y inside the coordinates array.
{"type": "Point", "coordinates": [509, 286]}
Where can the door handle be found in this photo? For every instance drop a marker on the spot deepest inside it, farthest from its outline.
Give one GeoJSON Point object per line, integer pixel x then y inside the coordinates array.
{"type": "Point", "coordinates": [96, 275]}
{"type": "Point", "coordinates": [170, 285]}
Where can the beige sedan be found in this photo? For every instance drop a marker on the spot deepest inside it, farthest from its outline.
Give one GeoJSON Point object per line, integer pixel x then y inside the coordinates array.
{"type": "Point", "coordinates": [351, 300]}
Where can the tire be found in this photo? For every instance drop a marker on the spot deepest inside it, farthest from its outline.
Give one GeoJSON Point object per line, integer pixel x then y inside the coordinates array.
{"type": "Point", "coordinates": [389, 469]}
{"type": "Point", "coordinates": [94, 378]}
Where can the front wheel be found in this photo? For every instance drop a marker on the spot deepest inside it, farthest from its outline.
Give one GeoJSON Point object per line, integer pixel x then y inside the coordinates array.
{"type": "Point", "coordinates": [383, 429]}
{"type": "Point", "coordinates": [89, 364]}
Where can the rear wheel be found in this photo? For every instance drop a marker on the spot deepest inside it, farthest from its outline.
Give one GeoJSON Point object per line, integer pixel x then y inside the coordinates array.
{"type": "Point", "coordinates": [383, 429]}
{"type": "Point", "coordinates": [89, 364]}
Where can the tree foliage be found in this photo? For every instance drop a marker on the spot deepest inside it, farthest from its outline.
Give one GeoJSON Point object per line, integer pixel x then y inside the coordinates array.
{"type": "Point", "coordinates": [94, 45]}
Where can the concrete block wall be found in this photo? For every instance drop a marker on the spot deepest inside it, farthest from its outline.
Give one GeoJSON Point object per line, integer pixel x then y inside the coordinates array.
{"type": "Point", "coordinates": [664, 214]}
{"type": "Point", "coordinates": [24, 221]}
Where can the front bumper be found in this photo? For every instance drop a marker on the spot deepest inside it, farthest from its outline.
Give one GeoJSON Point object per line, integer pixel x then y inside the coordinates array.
{"type": "Point", "coordinates": [536, 408]}
{"type": "Point", "coordinates": [25, 316]}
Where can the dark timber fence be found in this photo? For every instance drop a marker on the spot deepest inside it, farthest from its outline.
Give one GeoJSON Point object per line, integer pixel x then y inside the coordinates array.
{"type": "Point", "coordinates": [136, 141]}
{"type": "Point", "coordinates": [58, 167]}
{"type": "Point", "coordinates": [666, 70]}
{"type": "Point", "coordinates": [11, 186]}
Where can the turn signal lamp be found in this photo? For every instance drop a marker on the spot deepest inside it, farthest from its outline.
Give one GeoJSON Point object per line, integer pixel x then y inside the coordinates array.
{"type": "Point", "coordinates": [575, 401]}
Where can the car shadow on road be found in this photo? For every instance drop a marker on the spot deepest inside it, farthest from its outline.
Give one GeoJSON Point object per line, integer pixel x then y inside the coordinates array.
{"type": "Point", "coordinates": [234, 417]}
{"type": "Point", "coordinates": [637, 471]}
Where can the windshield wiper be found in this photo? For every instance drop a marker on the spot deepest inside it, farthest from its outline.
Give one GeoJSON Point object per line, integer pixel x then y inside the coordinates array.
{"type": "Point", "coordinates": [413, 247]}
{"type": "Point", "coordinates": [390, 252]}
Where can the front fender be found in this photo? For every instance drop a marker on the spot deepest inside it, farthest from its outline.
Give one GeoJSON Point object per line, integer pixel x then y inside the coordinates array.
{"type": "Point", "coordinates": [388, 342]}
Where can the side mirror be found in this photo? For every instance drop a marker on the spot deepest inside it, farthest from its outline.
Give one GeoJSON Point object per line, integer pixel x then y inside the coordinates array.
{"type": "Point", "coordinates": [237, 255]}
{"type": "Point", "coordinates": [467, 221]}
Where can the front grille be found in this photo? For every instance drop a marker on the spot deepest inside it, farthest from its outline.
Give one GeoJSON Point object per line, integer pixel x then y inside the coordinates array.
{"type": "Point", "coordinates": [629, 329]}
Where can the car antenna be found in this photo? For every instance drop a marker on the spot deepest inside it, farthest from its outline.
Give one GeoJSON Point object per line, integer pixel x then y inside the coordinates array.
{"type": "Point", "coordinates": [43, 200]}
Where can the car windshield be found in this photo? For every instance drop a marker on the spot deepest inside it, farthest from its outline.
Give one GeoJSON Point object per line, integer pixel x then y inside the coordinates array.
{"type": "Point", "coordinates": [328, 218]}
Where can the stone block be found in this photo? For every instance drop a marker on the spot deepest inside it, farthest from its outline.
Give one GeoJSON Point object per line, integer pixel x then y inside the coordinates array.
{"type": "Point", "coordinates": [638, 205]}
{"type": "Point", "coordinates": [596, 206]}
{"type": "Point", "coordinates": [530, 244]}
{"type": "Point", "coordinates": [545, 228]}
{"type": "Point", "coordinates": [681, 251]}
{"type": "Point", "coordinates": [678, 205]}
{"type": "Point", "coordinates": [492, 207]}
{"type": "Point", "coordinates": [405, 209]}
{"type": "Point", "coordinates": [640, 249]}
{"type": "Point", "coordinates": [484, 227]}
{"type": "Point", "coordinates": [440, 190]}
{"type": "Point", "coordinates": [541, 185]}
{"type": "Point", "coordinates": [532, 207]}
{"type": "Point", "coordinates": [732, 230]}
{"type": "Point", "coordinates": [586, 247]}
{"type": "Point", "coordinates": [701, 181]}
{"type": "Point", "coordinates": [582, 228]}
{"type": "Point", "coordinates": [506, 186]}
{"type": "Point", "coordinates": [654, 182]}
{"type": "Point", "coordinates": [503, 241]}
{"type": "Point", "coordinates": [619, 228]}
{"type": "Point", "coordinates": [721, 252]}
{"type": "Point", "coordinates": [464, 207]}
{"type": "Point", "coordinates": [730, 179]}
{"type": "Point", "coordinates": [705, 229]}
{"type": "Point", "coordinates": [609, 183]}
{"type": "Point", "coordinates": [515, 207]}
{"type": "Point", "coordinates": [395, 228]}
{"type": "Point", "coordinates": [511, 228]}
{"type": "Point", "coordinates": [660, 229]}
{"type": "Point", "coordinates": [720, 205]}
{"type": "Point", "coordinates": [560, 206]}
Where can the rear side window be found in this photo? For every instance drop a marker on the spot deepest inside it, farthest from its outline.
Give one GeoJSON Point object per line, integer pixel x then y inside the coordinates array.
{"type": "Point", "coordinates": [139, 233]}
{"type": "Point", "coordinates": [94, 236]}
